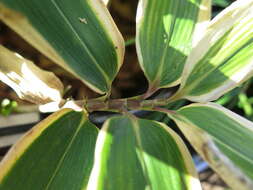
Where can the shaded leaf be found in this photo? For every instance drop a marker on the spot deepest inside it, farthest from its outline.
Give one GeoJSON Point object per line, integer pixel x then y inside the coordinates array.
{"type": "Point", "coordinates": [223, 138]}
{"type": "Point", "coordinates": [78, 35]}
{"type": "Point", "coordinates": [56, 154]}
{"type": "Point", "coordinates": [221, 3]}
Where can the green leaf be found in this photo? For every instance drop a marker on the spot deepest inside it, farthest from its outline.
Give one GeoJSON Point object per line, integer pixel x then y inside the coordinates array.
{"type": "Point", "coordinates": [221, 3]}
{"type": "Point", "coordinates": [244, 103]}
{"type": "Point", "coordinates": [78, 35]}
{"type": "Point", "coordinates": [223, 59]}
{"type": "Point", "coordinates": [165, 33]}
{"type": "Point", "coordinates": [7, 106]}
{"type": "Point", "coordinates": [138, 154]}
{"type": "Point", "coordinates": [223, 138]}
{"type": "Point", "coordinates": [57, 154]}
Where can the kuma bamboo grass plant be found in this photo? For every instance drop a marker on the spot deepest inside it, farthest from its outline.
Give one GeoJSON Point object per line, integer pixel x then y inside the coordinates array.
{"type": "Point", "coordinates": [177, 43]}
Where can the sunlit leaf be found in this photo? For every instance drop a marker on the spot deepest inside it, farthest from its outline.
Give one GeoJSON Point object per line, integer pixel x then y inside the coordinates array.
{"type": "Point", "coordinates": [106, 2]}
{"type": "Point", "coordinates": [29, 82]}
{"type": "Point", "coordinates": [223, 59]}
{"type": "Point", "coordinates": [138, 154]}
{"type": "Point", "coordinates": [165, 30]}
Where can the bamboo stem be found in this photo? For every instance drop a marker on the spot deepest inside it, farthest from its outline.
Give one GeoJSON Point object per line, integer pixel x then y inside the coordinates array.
{"type": "Point", "coordinates": [120, 105]}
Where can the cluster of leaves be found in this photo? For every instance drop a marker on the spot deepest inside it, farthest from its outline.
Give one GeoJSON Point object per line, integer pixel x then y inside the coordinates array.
{"type": "Point", "coordinates": [176, 43]}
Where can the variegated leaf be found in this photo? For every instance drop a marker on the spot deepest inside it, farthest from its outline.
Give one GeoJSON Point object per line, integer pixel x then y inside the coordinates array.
{"type": "Point", "coordinates": [223, 138]}
{"type": "Point", "coordinates": [78, 35]}
{"type": "Point", "coordinates": [27, 80]}
{"type": "Point", "coordinates": [165, 30]}
{"type": "Point", "coordinates": [57, 154]}
{"type": "Point", "coordinates": [106, 2]}
{"type": "Point", "coordinates": [223, 59]}
{"type": "Point", "coordinates": [138, 154]}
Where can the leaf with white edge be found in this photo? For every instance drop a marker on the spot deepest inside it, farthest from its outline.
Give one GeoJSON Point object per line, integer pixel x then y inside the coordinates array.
{"type": "Point", "coordinates": [138, 154]}
{"type": "Point", "coordinates": [106, 2]}
{"type": "Point", "coordinates": [165, 33]}
{"type": "Point", "coordinates": [57, 154]}
{"type": "Point", "coordinates": [27, 80]}
{"type": "Point", "coordinates": [78, 35]}
{"type": "Point", "coordinates": [223, 59]}
{"type": "Point", "coordinates": [223, 138]}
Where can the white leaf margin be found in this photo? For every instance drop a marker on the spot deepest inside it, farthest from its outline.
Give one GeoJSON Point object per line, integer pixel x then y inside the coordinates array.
{"type": "Point", "coordinates": [239, 10]}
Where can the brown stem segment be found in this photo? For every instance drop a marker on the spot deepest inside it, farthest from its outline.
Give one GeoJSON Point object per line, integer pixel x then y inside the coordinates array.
{"type": "Point", "coordinates": [120, 105]}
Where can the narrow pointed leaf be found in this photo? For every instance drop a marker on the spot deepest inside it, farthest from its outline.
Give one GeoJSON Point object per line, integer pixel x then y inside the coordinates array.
{"type": "Point", "coordinates": [223, 59]}
{"type": "Point", "coordinates": [55, 154]}
{"type": "Point", "coordinates": [78, 35]}
{"type": "Point", "coordinates": [29, 82]}
{"type": "Point", "coordinates": [165, 31]}
{"type": "Point", "coordinates": [137, 154]}
{"type": "Point", "coordinates": [223, 138]}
